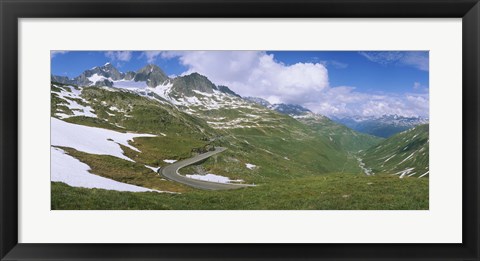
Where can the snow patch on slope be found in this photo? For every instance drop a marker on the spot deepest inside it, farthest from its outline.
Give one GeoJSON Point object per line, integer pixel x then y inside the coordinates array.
{"type": "Point", "coordinates": [389, 158]}
{"type": "Point", "coordinates": [74, 106]}
{"type": "Point", "coordinates": [124, 84]}
{"type": "Point", "coordinates": [404, 172]}
{"type": "Point", "coordinates": [213, 178]}
{"type": "Point", "coordinates": [92, 140]}
{"type": "Point", "coordinates": [95, 78]}
{"type": "Point", "coordinates": [250, 166]}
{"type": "Point", "coordinates": [407, 158]}
{"type": "Point", "coordinates": [426, 173]}
{"type": "Point", "coordinates": [75, 173]}
{"type": "Point", "coordinates": [155, 169]}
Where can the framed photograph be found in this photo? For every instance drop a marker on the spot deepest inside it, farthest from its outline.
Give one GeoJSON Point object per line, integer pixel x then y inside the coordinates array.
{"type": "Point", "coordinates": [188, 130]}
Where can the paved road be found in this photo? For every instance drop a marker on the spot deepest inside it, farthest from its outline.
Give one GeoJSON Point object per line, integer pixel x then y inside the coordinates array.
{"type": "Point", "coordinates": [171, 173]}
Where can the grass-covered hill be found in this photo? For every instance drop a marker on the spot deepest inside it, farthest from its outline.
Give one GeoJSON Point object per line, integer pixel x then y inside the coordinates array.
{"type": "Point", "coordinates": [404, 154]}
{"type": "Point", "coordinates": [126, 131]}
{"type": "Point", "coordinates": [344, 137]}
{"type": "Point", "coordinates": [278, 145]}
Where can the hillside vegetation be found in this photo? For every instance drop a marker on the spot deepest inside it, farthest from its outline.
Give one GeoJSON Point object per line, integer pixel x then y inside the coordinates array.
{"type": "Point", "coordinates": [125, 127]}
{"type": "Point", "coordinates": [404, 154]}
{"type": "Point", "coordinates": [329, 192]}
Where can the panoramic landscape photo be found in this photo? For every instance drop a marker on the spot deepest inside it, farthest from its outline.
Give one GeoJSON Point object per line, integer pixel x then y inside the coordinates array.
{"type": "Point", "coordinates": [239, 130]}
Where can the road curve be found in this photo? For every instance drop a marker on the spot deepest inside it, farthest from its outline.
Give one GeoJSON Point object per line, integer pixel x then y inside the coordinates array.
{"type": "Point", "coordinates": [171, 172]}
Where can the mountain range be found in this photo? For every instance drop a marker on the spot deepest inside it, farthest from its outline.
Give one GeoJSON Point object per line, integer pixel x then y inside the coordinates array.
{"type": "Point", "coordinates": [152, 76]}
{"type": "Point", "coordinates": [382, 126]}
{"type": "Point", "coordinates": [175, 118]}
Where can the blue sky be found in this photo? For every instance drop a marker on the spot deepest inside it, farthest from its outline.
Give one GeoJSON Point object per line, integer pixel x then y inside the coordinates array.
{"type": "Point", "coordinates": [73, 63]}
{"type": "Point", "coordinates": [329, 82]}
{"type": "Point", "coordinates": [354, 69]}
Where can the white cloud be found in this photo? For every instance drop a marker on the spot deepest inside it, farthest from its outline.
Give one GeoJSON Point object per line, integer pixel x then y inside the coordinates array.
{"type": "Point", "coordinates": [252, 73]}
{"type": "Point", "coordinates": [345, 101]}
{"type": "Point", "coordinates": [258, 74]}
{"type": "Point", "coordinates": [122, 56]}
{"type": "Point", "coordinates": [417, 59]}
{"type": "Point", "coordinates": [54, 53]}
{"type": "Point", "coordinates": [151, 55]}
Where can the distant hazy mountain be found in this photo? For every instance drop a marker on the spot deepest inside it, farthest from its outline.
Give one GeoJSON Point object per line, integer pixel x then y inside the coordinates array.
{"type": "Point", "coordinates": [290, 109]}
{"type": "Point", "coordinates": [283, 108]}
{"type": "Point", "coordinates": [383, 126]}
{"type": "Point", "coordinates": [258, 101]}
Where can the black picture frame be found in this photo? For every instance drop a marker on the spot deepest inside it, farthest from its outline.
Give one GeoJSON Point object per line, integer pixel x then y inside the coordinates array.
{"type": "Point", "coordinates": [11, 11]}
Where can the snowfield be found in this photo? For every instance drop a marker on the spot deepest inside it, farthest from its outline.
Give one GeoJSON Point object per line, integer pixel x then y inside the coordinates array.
{"type": "Point", "coordinates": [124, 84]}
{"type": "Point", "coordinates": [95, 78]}
{"type": "Point", "coordinates": [212, 178]}
{"type": "Point", "coordinates": [69, 170]}
{"type": "Point", "coordinates": [91, 140]}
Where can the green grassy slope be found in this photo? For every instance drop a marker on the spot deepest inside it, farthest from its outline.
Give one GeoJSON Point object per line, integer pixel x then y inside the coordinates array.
{"type": "Point", "coordinates": [404, 154]}
{"type": "Point", "coordinates": [341, 135]}
{"type": "Point", "coordinates": [334, 191]}
{"type": "Point", "coordinates": [296, 164]}
{"type": "Point", "coordinates": [277, 144]}
{"type": "Point", "coordinates": [280, 146]}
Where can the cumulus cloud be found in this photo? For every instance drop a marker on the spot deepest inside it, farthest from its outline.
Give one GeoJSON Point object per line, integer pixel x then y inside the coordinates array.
{"type": "Point", "coordinates": [121, 56]}
{"type": "Point", "coordinates": [151, 55]}
{"type": "Point", "coordinates": [252, 73]}
{"type": "Point", "coordinates": [416, 59]}
{"type": "Point", "coordinates": [345, 101]}
{"type": "Point", "coordinates": [258, 74]}
{"type": "Point", "coordinates": [54, 53]}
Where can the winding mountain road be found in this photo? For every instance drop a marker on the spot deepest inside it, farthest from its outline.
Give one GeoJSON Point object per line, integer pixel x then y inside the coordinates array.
{"type": "Point", "coordinates": [171, 172]}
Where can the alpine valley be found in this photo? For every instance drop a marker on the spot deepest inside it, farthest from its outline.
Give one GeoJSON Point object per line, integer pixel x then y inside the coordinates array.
{"type": "Point", "coordinates": [143, 140]}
